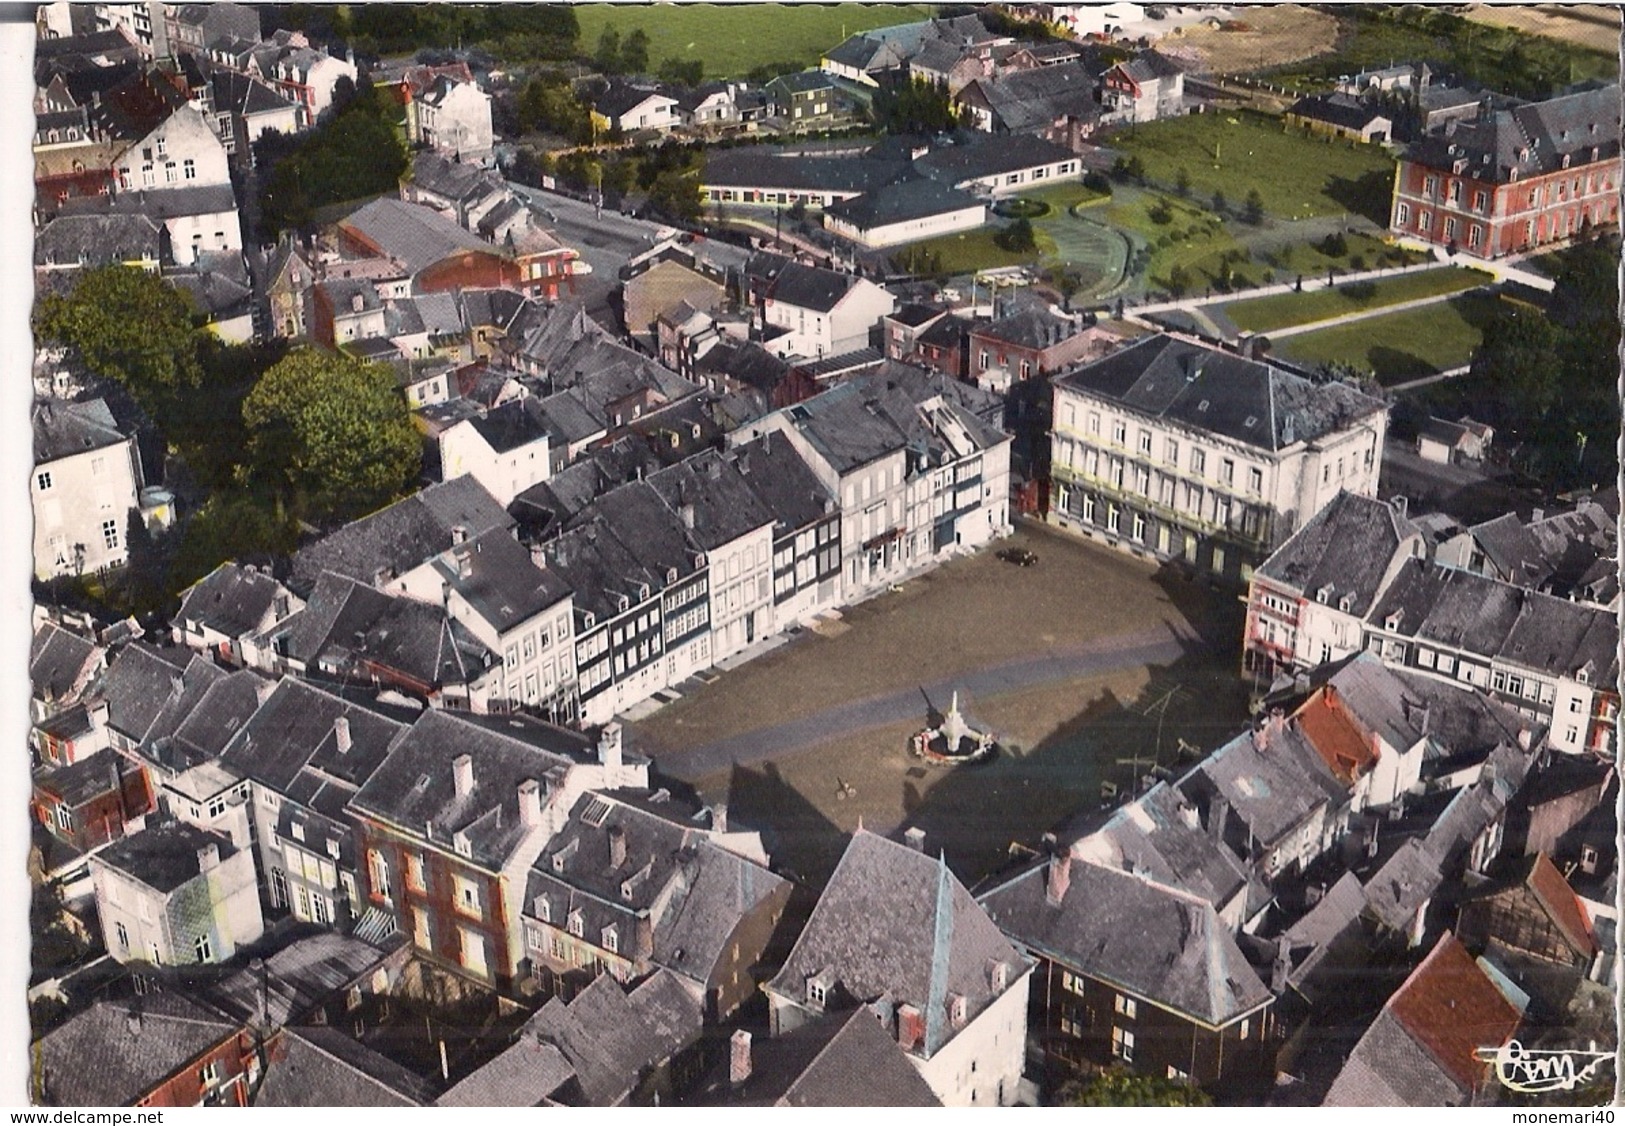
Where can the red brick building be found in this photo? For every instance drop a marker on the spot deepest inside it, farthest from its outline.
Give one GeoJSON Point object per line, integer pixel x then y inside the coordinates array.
{"type": "Point", "coordinates": [1514, 179]}
{"type": "Point", "coordinates": [86, 805]}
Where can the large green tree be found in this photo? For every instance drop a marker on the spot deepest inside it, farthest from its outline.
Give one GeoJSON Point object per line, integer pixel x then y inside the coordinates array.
{"type": "Point", "coordinates": [357, 152]}
{"type": "Point", "coordinates": [130, 327]}
{"type": "Point", "coordinates": [1118, 1086]}
{"type": "Point", "coordinates": [332, 433]}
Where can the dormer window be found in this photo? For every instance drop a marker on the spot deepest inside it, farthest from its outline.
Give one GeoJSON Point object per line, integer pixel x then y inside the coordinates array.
{"type": "Point", "coordinates": [1393, 620]}
{"type": "Point", "coordinates": [460, 842]}
{"type": "Point", "coordinates": [1588, 860]}
{"type": "Point", "coordinates": [1582, 677]}
{"type": "Point", "coordinates": [558, 862]}
{"type": "Point", "coordinates": [544, 909]}
{"type": "Point", "coordinates": [611, 940]}
{"type": "Point", "coordinates": [671, 574]}
{"type": "Point", "coordinates": [333, 848]}
{"type": "Point", "coordinates": [643, 592]}
{"type": "Point", "coordinates": [626, 890]}
{"type": "Point", "coordinates": [1323, 595]}
{"type": "Point", "coordinates": [1344, 603]}
{"type": "Point", "coordinates": [298, 830]}
{"type": "Point", "coordinates": [818, 986]}
{"type": "Point", "coordinates": [956, 1009]}
{"type": "Point", "coordinates": [576, 925]}
{"type": "Point", "coordinates": [622, 603]}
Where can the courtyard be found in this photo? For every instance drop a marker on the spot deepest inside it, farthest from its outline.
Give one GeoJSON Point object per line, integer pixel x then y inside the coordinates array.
{"type": "Point", "coordinates": [1092, 666]}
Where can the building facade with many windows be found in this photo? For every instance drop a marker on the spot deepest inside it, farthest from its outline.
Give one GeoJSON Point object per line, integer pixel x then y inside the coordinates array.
{"type": "Point", "coordinates": [1175, 450]}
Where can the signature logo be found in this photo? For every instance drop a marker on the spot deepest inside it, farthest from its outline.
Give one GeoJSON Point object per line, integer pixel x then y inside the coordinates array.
{"type": "Point", "coordinates": [1533, 1071]}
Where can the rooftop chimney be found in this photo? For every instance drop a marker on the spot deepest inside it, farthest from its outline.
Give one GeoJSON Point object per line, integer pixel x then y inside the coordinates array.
{"type": "Point", "coordinates": [208, 857]}
{"type": "Point", "coordinates": [1060, 875]}
{"type": "Point", "coordinates": [465, 565]}
{"type": "Point", "coordinates": [685, 513]}
{"type": "Point", "coordinates": [719, 817]}
{"type": "Point", "coordinates": [914, 837]}
{"type": "Point", "coordinates": [462, 775]}
{"type": "Point", "coordinates": [538, 556]}
{"type": "Point", "coordinates": [609, 748]}
{"type": "Point", "coordinates": [530, 803]}
{"type": "Point", "coordinates": [341, 734]}
{"type": "Point", "coordinates": [739, 1057]}
{"type": "Point", "coordinates": [617, 846]}
{"type": "Point", "coordinates": [357, 303]}
{"type": "Point", "coordinates": [1218, 811]}
{"type": "Point", "coordinates": [458, 534]}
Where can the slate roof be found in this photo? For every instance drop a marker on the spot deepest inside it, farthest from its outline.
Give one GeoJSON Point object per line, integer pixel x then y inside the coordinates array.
{"type": "Point", "coordinates": [96, 240]}
{"type": "Point", "coordinates": [900, 202]}
{"type": "Point", "coordinates": [1215, 391]}
{"type": "Point", "coordinates": [528, 1073]}
{"type": "Point", "coordinates": [1338, 910]}
{"type": "Point", "coordinates": [1336, 109]}
{"type": "Point", "coordinates": [167, 203]}
{"type": "Point", "coordinates": [1529, 139]}
{"type": "Point", "coordinates": [403, 535]}
{"type": "Point", "coordinates": [849, 428]}
{"type": "Point", "coordinates": [1541, 877]}
{"type": "Point", "coordinates": [295, 729]}
{"type": "Point", "coordinates": [296, 979]}
{"type": "Point", "coordinates": [504, 586]}
{"type": "Point", "coordinates": [784, 483]}
{"type": "Point", "coordinates": [209, 725]}
{"type": "Point", "coordinates": [802, 81]}
{"type": "Point", "coordinates": [413, 235]}
{"type": "Point", "coordinates": [1030, 100]}
{"type": "Point", "coordinates": [137, 683]}
{"type": "Point", "coordinates": [723, 503]}
{"type": "Point", "coordinates": [1270, 790]}
{"type": "Point", "coordinates": [324, 1067]}
{"type": "Point", "coordinates": [57, 658]}
{"type": "Point", "coordinates": [982, 155]}
{"type": "Point", "coordinates": [622, 97]}
{"type": "Point", "coordinates": [1032, 327]}
{"type": "Point", "coordinates": [63, 429]}
{"type": "Point", "coordinates": [677, 881]}
{"type": "Point", "coordinates": [164, 856]}
{"type": "Point", "coordinates": [570, 417]}
{"type": "Point", "coordinates": [413, 788]}
{"type": "Point", "coordinates": [1155, 941]}
{"type": "Point", "coordinates": [1490, 618]}
{"type": "Point", "coordinates": [1150, 65]}
{"type": "Point", "coordinates": [750, 168]}
{"type": "Point", "coordinates": [611, 1036]}
{"type": "Point", "coordinates": [1447, 1009]}
{"type": "Point", "coordinates": [244, 94]}
{"type": "Point", "coordinates": [104, 1057]}
{"type": "Point", "coordinates": [599, 567]}
{"type": "Point", "coordinates": [85, 778]}
{"type": "Point", "coordinates": [835, 1060]}
{"type": "Point", "coordinates": [895, 922]}
{"type": "Point", "coordinates": [1344, 549]}
{"type": "Point", "coordinates": [231, 599]}
{"type": "Point", "coordinates": [863, 52]}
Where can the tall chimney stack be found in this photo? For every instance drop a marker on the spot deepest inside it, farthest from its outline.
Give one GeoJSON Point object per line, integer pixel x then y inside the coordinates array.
{"type": "Point", "coordinates": [1059, 877]}
{"type": "Point", "coordinates": [462, 775]}
{"type": "Point", "coordinates": [208, 857]}
{"type": "Point", "coordinates": [341, 734]}
{"type": "Point", "coordinates": [530, 803]}
{"type": "Point", "coordinates": [617, 846]}
{"type": "Point", "coordinates": [739, 1057]}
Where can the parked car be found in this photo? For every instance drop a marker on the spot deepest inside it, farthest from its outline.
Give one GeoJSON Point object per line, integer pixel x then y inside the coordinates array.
{"type": "Point", "coordinates": [1020, 556]}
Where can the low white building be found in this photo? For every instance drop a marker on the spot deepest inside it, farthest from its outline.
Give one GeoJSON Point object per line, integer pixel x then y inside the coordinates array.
{"type": "Point", "coordinates": [905, 212]}
{"type": "Point", "coordinates": [1175, 450]}
{"type": "Point", "coordinates": [175, 895]}
{"type": "Point", "coordinates": [633, 109]}
{"type": "Point", "coordinates": [1001, 164]}
{"type": "Point", "coordinates": [823, 312]}
{"type": "Point", "coordinates": [87, 479]}
{"type": "Point", "coordinates": [894, 930]}
{"type": "Point", "coordinates": [453, 118]}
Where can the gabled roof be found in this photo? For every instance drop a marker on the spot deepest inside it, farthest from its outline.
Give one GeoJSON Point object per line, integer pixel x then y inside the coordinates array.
{"type": "Point", "coordinates": [1158, 835]}
{"type": "Point", "coordinates": [894, 923]}
{"type": "Point", "coordinates": [1149, 939]}
{"type": "Point", "coordinates": [504, 586]}
{"type": "Point", "coordinates": [834, 1060]}
{"type": "Point", "coordinates": [1336, 109]}
{"type": "Point", "coordinates": [165, 856]}
{"type": "Point", "coordinates": [297, 979]}
{"type": "Point", "coordinates": [413, 235]}
{"type": "Point", "coordinates": [115, 1052]}
{"type": "Point", "coordinates": [231, 599]}
{"type": "Point", "coordinates": [756, 168]}
{"type": "Point", "coordinates": [982, 155]}
{"type": "Point", "coordinates": [137, 684]}
{"type": "Point", "coordinates": [1344, 549]}
{"type": "Point", "coordinates": [1033, 99]}
{"type": "Point", "coordinates": [296, 728]}
{"type": "Point", "coordinates": [324, 1067]}
{"type": "Point", "coordinates": [1546, 883]}
{"type": "Point", "coordinates": [96, 240]}
{"type": "Point", "coordinates": [1530, 139]}
{"type": "Point", "coordinates": [1271, 789]}
{"type": "Point", "coordinates": [84, 779]}
{"type": "Point", "coordinates": [63, 429]}
{"type": "Point", "coordinates": [1345, 748]}
{"type": "Point", "coordinates": [452, 179]}
{"type": "Point", "coordinates": [1221, 393]}
{"type": "Point", "coordinates": [57, 658]}
{"type": "Point", "coordinates": [1032, 327]}
{"type": "Point", "coordinates": [401, 536]}
{"type": "Point", "coordinates": [1148, 66]}
{"type": "Point", "coordinates": [783, 482]}
{"type": "Point", "coordinates": [622, 97]}
{"type": "Point", "coordinates": [900, 202]}
{"type": "Point", "coordinates": [722, 503]}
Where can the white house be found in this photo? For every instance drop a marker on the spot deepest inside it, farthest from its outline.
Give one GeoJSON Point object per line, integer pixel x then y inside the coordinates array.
{"type": "Point", "coordinates": [87, 479]}
{"type": "Point", "coordinates": [175, 895]}
{"type": "Point", "coordinates": [1001, 164]}
{"type": "Point", "coordinates": [824, 313]}
{"type": "Point", "coordinates": [453, 118]}
{"type": "Point", "coordinates": [505, 448]}
{"type": "Point", "coordinates": [230, 605]}
{"type": "Point", "coordinates": [182, 151]}
{"type": "Point", "coordinates": [307, 75]}
{"type": "Point", "coordinates": [896, 931]}
{"type": "Point", "coordinates": [634, 108]}
{"type": "Point", "coordinates": [1172, 449]}
{"type": "Point", "coordinates": [905, 212]}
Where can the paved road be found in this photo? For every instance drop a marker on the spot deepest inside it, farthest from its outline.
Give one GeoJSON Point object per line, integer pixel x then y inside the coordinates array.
{"type": "Point", "coordinates": [1159, 645]}
{"type": "Point", "coordinates": [604, 240]}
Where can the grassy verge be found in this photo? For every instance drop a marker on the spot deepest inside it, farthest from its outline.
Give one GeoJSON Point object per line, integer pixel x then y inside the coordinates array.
{"type": "Point", "coordinates": [1236, 153]}
{"type": "Point", "coordinates": [1365, 252]}
{"type": "Point", "coordinates": [1400, 346]}
{"type": "Point", "coordinates": [1281, 310]}
{"type": "Point", "coordinates": [731, 40]}
{"type": "Point", "coordinates": [1066, 194]}
{"type": "Point", "coordinates": [971, 251]}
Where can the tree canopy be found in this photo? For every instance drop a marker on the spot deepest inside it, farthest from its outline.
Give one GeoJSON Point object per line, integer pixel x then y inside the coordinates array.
{"type": "Point", "coordinates": [1120, 1087]}
{"type": "Point", "coordinates": [130, 327]}
{"type": "Point", "coordinates": [917, 106]}
{"type": "Point", "coordinates": [333, 432]}
{"type": "Point", "coordinates": [355, 153]}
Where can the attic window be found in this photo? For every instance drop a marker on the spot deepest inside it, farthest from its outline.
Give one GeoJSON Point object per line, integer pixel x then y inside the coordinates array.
{"type": "Point", "coordinates": [298, 830]}
{"type": "Point", "coordinates": [1588, 860]}
{"type": "Point", "coordinates": [626, 890]}
{"type": "Point", "coordinates": [333, 848]}
{"type": "Point", "coordinates": [544, 909]}
{"type": "Point", "coordinates": [1344, 603]}
{"type": "Point", "coordinates": [1582, 677]}
{"type": "Point", "coordinates": [622, 603]}
{"type": "Point", "coordinates": [421, 784]}
{"type": "Point", "coordinates": [643, 591]}
{"type": "Point", "coordinates": [576, 925]}
{"type": "Point", "coordinates": [460, 842]}
{"type": "Point", "coordinates": [671, 574]}
{"type": "Point", "coordinates": [956, 1009]}
{"type": "Point", "coordinates": [1323, 595]}
{"type": "Point", "coordinates": [1252, 420]}
{"type": "Point", "coordinates": [612, 941]}
{"type": "Point", "coordinates": [1393, 620]}
{"type": "Point", "coordinates": [558, 864]}
{"type": "Point", "coordinates": [587, 619]}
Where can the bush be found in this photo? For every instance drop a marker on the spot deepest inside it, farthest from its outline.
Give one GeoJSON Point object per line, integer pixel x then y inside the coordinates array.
{"type": "Point", "coordinates": [1096, 182]}
{"type": "Point", "coordinates": [1357, 262]}
{"type": "Point", "coordinates": [1361, 292]}
{"type": "Point", "coordinates": [1017, 237]}
{"type": "Point", "coordinates": [1334, 245]}
{"type": "Point", "coordinates": [1160, 213]}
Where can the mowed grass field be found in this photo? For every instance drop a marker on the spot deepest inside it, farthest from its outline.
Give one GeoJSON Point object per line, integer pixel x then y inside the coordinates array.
{"type": "Point", "coordinates": [733, 39]}
{"type": "Point", "coordinates": [1282, 310]}
{"type": "Point", "coordinates": [1296, 176]}
{"type": "Point", "coordinates": [1397, 347]}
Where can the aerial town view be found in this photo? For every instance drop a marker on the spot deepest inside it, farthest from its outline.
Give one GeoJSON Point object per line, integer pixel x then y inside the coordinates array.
{"type": "Point", "coordinates": [1036, 554]}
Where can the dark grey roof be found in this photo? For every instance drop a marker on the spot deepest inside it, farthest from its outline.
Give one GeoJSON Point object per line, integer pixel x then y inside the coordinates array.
{"type": "Point", "coordinates": [802, 81]}
{"type": "Point", "coordinates": [168, 203]}
{"type": "Point", "coordinates": [137, 684]}
{"type": "Point", "coordinates": [1033, 99]}
{"type": "Point", "coordinates": [1336, 109]}
{"type": "Point", "coordinates": [96, 240]}
{"type": "Point", "coordinates": [398, 538]}
{"type": "Point", "coordinates": [1388, 1068]}
{"type": "Point", "coordinates": [57, 658]}
{"type": "Point", "coordinates": [413, 235]}
{"type": "Point", "coordinates": [746, 361]}
{"type": "Point", "coordinates": [325, 1067]}
{"type": "Point", "coordinates": [612, 1037]}
{"type": "Point", "coordinates": [217, 283]}
{"type": "Point", "coordinates": [1490, 618]}
{"type": "Point", "coordinates": [1149, 65]}
{"type": "Point", "coordinates": [63, 429]}
{"type": "Point", "coordinates": [511, 425]}
{"type": "Point", "coordinates": [296, 728]}
{"type": "Point", "coordinates": [221, 710]}
{"type": "Point", "coordinates": [861, 51]}
{"type": "Point", "coordinates": [297, 979]}
{"type": "Point", "coordinates": [899, 202]}
{"type": "Point", "coordinates": [528, 1073]}
{"type": "Point", "coordinates": [231, 599]}
{"type": "Point", "coordinates": [85, 778]}
{"type": "Point", "coordinates": [164, 856]}
{"type": "Point", "coordinates": [649, 528]}
{"type": "Point", "coordinates": [1032, 327]}
{"type": "Point", "coordinates": [849, 429]}
{"type": "Point", "coordinates": [599, 567]}
{"type": "Point", "coordinates": [760, 168]}
{"type": "Point", "coordinates": [1530, 139]}
{"type": "Point", "coordinates": [570, 417]}
{"type": "Point", "coordinates": [894, 922]}
{"type": "Point", "coordinates": [235, 92]}
{"type": "Point", "coordinates": [1146, 938]}
{"type": "Point", "coordinates": [115, 1052]}
{"type": "Point", "coordinates": [784, 483]}
{"type": "Point", "coordinates": [503, 585]}
{"type": "Point", "coordinates": [1345, 549]}
{"type": "Point", "coordinates": [723, 503]}
{"type": "Point", "coordinates": [1222, 393]}
{"type": "Point", "coordinates": [620, 97]}
{"type": "Point", "coordinates": [1272, 789]}
{"type": "Point", "coordinates": [413, 788]}
{"type": "Point", "coordinates": [982, 155]}
{"type": "Point", "coordinates": [342, 292]}
{"type": "Point", "coordinates": [835, 1060]}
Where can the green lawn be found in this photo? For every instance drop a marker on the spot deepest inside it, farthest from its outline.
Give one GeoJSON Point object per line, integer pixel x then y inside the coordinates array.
{"type": "Point", "coordinates": [1296, 176]}
{"type": "Point", "coordinates": [1400, 346]}
{"type": "Point", "coordinates": [1265, 314]}
{"type": "Point", "coordinates": [731, 40]}
{"type": "Point", "coordinates": [975, 250]}
{"type": "Point", "coordinates": [1065, 194]}
{"type": "Point", "coordinates": [1194, 239]}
